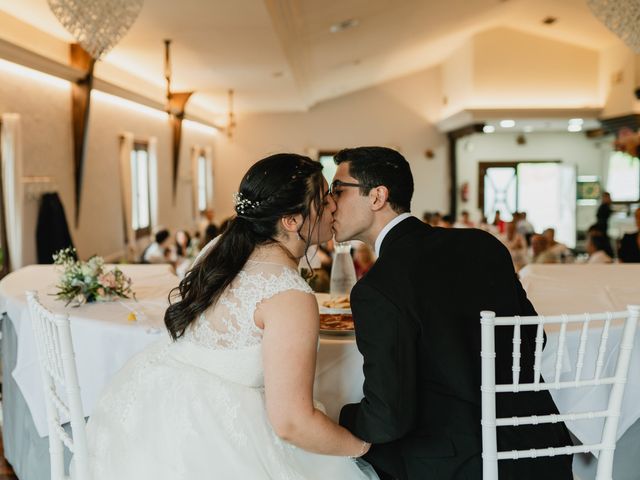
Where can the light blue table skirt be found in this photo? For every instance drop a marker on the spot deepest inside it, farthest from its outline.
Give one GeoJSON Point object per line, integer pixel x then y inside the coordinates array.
{"type": "Point", "coordinates": [27, 453]}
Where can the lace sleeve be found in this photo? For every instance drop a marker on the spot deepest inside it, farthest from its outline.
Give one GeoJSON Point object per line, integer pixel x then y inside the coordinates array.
{"type": "Point", "coordinates": [230, 322]}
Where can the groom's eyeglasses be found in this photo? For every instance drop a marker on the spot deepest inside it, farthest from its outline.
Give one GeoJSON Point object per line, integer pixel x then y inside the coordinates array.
{"type": "Point", "coordinates": [336, 185]}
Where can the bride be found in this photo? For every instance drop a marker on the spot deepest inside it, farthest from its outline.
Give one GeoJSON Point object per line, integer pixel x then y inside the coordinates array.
{"type": "Point", "coordinates": [230, 396]}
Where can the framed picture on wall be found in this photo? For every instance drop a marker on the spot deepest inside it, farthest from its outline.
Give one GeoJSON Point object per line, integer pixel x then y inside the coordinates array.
{"type": "Point", "coordinates": [590, 190]}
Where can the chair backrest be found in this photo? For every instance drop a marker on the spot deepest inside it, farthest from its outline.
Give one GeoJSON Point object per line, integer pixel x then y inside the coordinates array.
{"type": "Point", "coordinates": [606, 446]}
{"type": "Point", "coordinates": [61, 389]}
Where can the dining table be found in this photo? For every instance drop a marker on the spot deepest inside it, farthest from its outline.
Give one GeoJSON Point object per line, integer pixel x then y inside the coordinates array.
{"type": "Point", "coordinates": [557, 289]}
{"type": "Point", "coordinates": [105, 335]}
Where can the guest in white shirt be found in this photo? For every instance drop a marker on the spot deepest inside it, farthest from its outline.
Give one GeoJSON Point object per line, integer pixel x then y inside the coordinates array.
{"type": "Point", "coordinates": [523, 226]}
{"type": "Point", "coordinates": [560, 250]}
{"type": "Point", "coordinates": [160, 250]}
{"type": "Point", "coordinates": [596, 248]}
{"type": "Point", "coordinates": [516, 244]}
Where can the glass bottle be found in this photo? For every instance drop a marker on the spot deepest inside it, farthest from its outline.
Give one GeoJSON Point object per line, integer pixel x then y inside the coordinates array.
{"type": "Point", "coordinates": [343, 272]}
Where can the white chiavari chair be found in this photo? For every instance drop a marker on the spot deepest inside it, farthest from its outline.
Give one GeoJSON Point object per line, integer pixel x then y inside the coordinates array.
{"type": "Point", "coordinates": [61, 389]}
{"type": "Point", "coordinates": [607, 444]}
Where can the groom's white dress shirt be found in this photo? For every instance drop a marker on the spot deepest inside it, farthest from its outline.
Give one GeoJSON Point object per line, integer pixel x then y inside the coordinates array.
{"type": "Point", "coordinates": [387, 227]}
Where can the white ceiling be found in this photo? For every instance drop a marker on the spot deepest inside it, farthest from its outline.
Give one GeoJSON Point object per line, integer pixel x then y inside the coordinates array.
{"type": "Point", "coordinates": [280, 54]}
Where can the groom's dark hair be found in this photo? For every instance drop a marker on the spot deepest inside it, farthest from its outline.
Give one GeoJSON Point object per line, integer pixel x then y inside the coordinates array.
{"type": "Point", "coordinates": [376, 166]}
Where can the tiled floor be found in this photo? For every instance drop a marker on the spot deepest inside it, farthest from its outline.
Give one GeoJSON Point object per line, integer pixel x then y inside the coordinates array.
{"type": "Point", "coordinates": [6, 472]}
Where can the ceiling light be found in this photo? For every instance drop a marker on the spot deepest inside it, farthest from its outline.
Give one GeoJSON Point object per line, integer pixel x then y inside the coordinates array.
{"type": "Point", "coordinates": [488, 129]}
{"type": "Point", "coordinates": [344, 25]}
{"type": "Point", "coordinates": [507, 123]}
{"type": "Point", "coordinates": [574, 128]}
{"type": "Point", "coordinates": [576, 121]}
{"type": "Point", "coordinates": [527, 128]}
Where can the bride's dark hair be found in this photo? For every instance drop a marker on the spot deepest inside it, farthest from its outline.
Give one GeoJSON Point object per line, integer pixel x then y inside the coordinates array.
{"type": "Point", "coordinates": [276, 186]}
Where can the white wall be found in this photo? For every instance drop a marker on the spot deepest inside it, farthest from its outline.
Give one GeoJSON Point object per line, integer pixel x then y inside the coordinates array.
{"type": "Point", "coordinates": [44, 104]}
{"type": "Point", "coordinates": [516, 69]}
{"type": "Point", "coordinates": [588, 156]}
{"type": "Point", "coordinates": [398, 114]}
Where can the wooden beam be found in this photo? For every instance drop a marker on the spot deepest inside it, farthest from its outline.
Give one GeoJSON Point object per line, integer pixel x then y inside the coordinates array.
{"type": "Point", "coordinates": [80, 103]}
{"type": "Point", "coordinates": [453, 137]}
{"type": "Point", "coordinates": [177, 104]}
{"type": "Point", "coordinates": [26, 58]}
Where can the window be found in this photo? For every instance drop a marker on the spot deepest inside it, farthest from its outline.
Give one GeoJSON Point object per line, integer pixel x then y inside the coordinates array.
{"type": "Point", "coordinates": [140, 197]}
{"type": "Point", "coordinates": [329, 167]}
{"type": "Point", "coordinates": [202, 183]}
{"type": "Point", "coordinates": [623, 180]}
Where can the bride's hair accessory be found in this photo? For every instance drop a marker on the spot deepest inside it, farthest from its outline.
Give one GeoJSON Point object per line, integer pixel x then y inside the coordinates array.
{"type": "Point", "coordinates": [243, 204]}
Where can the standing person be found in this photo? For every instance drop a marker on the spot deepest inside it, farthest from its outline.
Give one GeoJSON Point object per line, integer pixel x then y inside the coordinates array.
{"type": "Point", "coordinates": [417, 323]}
{"type": "Point", "coordinates": [231, 397]}
{"type": "Point", "coordinates": [629, 251]}
{"type": "Point", "coordinates": [603, 214]}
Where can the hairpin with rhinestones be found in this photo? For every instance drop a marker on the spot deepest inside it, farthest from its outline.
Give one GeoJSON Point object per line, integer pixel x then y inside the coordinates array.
{"type": "Point", "coordinates": [243, 204]}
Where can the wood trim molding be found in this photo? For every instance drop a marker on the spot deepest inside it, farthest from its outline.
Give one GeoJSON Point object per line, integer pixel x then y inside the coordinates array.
{"type": "Point", "coordinates": [80, 107]}
{"type": "Point", "coordinates": [21, 56]}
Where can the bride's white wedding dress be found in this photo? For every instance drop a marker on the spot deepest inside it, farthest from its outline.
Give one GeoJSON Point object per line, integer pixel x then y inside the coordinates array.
{"type": "Point", "coordinates": [195, 409]}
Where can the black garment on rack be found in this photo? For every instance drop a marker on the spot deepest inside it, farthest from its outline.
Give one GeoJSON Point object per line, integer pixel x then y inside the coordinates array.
{"type": "Point", "coordinates": [52, 231]}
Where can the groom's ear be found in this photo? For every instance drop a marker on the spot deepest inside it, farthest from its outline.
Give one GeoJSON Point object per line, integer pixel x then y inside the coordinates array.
{"type": "Point", "coordinates": [378, 197]}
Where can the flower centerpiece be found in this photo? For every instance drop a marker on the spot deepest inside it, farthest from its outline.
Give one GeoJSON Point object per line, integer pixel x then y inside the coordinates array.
{"type": "Point", "coordinates": [85, 282]}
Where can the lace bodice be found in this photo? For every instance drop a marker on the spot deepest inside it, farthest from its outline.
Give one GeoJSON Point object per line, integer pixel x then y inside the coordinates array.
{"type": "Point", "coordinates": [229, 323]}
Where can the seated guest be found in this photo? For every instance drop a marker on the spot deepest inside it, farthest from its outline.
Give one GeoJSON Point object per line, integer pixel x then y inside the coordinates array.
{"type": "Point", "coordinates": [435, 219]}
{"type": "Point", "coordinates": [498, 223]}
{"type": "Point", "coordinates": [464, 221]}
{"type": "Point", "coordinates": [597, 246]}
{"type": "Point", "coordinates": [629, 251]}
{"type": "Point", "coordinates": [426, 218]}
{"type": "Point", "coordinates": [210, 233]}
{"type": "Point", "coordinates": [363, 259]}
{"type": "Point", "coordinates": [160, 250]}
{"type": "Point", "coordinates": [540, 252]}
{"type": "Point", "coordinates": [516, 245]}
{"type": "Point", "coordinates": [206, 219]}
{"type": "Point", "coordinates": [183, 244]}
{"type": "Point", "coordinates": [446, 221]}
{"type": "Point", "coordinates": [560, 250]}
{"type": "Point", "coordinates": [523, 226]}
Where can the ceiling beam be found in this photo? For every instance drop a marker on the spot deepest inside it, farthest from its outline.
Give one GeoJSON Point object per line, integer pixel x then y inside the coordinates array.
{"type": "Point", "coordinates": [22, 56]}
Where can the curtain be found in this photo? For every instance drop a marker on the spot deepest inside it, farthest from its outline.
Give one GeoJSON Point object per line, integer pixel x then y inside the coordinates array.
{"type": "Point", "coordinates": [195, 180]}
{"type": "Point", "coordinates": [126, 146]}
{"type": "Point", "coordinates": [154, 182]}
{"type": "Point", "coordinates": [11, 145]}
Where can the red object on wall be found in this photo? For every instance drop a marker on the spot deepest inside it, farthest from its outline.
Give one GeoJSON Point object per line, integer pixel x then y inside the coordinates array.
{"type": "Point", "coordinates": [464, 192]}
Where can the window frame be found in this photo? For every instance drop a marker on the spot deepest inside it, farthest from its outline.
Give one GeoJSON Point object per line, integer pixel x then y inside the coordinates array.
{"type": "Point", "coordinates": [202, 156]}
{"type": "Point", "coordinates": [626, 203]}
{"type": "Point", "coordinates": [141, 145]}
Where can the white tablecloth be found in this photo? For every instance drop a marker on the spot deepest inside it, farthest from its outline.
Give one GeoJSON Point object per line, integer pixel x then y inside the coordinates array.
{"type": "Point", "coordinates": [575, 289]}
{"type": "Point", "coordinates": [579, 288]}
{"type": "Point", "coordinates": [103, 338]}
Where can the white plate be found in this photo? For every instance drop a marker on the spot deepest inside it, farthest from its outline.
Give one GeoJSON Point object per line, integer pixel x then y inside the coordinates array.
{"type": "Point", "coordinates": [323, 297]}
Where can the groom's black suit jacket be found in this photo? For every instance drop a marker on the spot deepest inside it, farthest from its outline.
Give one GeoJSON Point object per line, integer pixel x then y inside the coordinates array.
{"type": "Point", "coordinates": [417, 321]}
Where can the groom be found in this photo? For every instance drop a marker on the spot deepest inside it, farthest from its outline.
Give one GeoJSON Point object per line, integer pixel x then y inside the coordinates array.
{"type": "Point", "coordinates": [417, 321]}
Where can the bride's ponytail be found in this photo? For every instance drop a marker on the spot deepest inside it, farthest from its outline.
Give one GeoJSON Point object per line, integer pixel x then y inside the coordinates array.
{"type": "Point", "coordinates": [279, 185]}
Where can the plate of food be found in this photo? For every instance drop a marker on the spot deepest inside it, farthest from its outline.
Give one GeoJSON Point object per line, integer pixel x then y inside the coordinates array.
{"type": "Point", "coordinates": [335, 306]}
{"type": "Point", "coordinates": [336, 324]}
